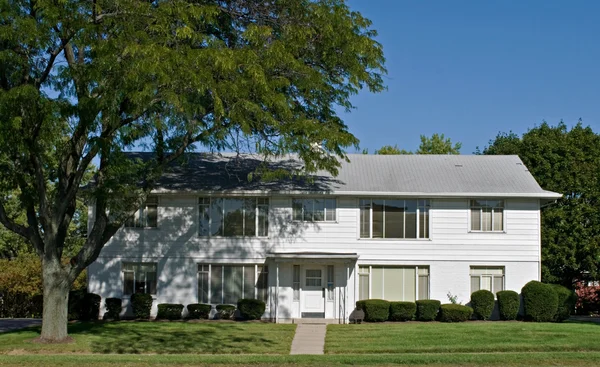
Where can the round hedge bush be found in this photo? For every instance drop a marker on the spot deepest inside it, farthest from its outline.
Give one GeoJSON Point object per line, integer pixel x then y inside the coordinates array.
{"type": "Point", "coordinates": [508, 304]}
{"type": "Point", "coordinates": [482, 302]}
{"type": "Point", "coordinates": [402, 311]}
{"type": "Point", "coordinates": [455, 313]}
{"type": "Point", "coordinates": [113, 309]}
{"type": "Point", "coordinates": [141, 303]}
{"type": "Point", "coordinates": [225, 312]}
{"type": "Point", "coordinates": [427, 309]}
{"type": "Point", "coordinates": [198, 311]}
{"type": "Point", "coordinates": [566, 302]}
{"type": "Point", "coordinates": [376, 310]}
{"type": "Point", "coordinates": [169, 311]}
{"type": "Point", "coordinates": [251, 309]}
{"type": "Point", "coordinates": [540, 302]}
{"type": "Point", "coordinates": [90, 307]}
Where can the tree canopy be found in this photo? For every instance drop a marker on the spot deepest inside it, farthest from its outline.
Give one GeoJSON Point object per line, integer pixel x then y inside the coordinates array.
{"type": "Point", "coordinates": [86, 81]}
{"type": "Point", "coordinates": [437, 144]}
{"type": "Point", "coordinates": [566, 161]}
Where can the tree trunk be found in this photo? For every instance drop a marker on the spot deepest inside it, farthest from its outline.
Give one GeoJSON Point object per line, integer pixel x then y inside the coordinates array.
{"type": "Point", "coordinates": [56, 303]}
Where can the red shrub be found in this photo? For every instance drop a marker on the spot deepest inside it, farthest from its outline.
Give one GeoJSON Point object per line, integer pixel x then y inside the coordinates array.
{"type": "Point", "coordinates": [588, 298]}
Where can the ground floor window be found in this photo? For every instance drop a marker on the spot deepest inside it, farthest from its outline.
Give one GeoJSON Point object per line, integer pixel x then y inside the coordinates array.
{"type": "Point", "coordinates": [226, 284]}
{"type": "Point", "coordinates": [393, 283]}
{"type": "Point", "coordinates": [489, 278]}
{"type": "Point", "coordinates": [139, 278]}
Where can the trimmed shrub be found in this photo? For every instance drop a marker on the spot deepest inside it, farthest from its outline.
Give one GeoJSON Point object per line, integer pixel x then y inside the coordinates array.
{"type": "Point", "coordinates": [402, 311]}
{"type": "Point", "coordinates": [508, 304]}
{"type": "Point", "coordinates": [427, 309]}
{"type": "Point", "coordinates": [376, 310]}
{"type": "Point", "coordinates": [540, 302]}
{"type": "Point", "coordinates": [225, 312]}
{"type": "Point", "coordinates": [169, 311]}
{"type": "Point", "coordinates": [455, 313]}
{"type": "Point", "coordinates": [90, 307]}
{"type": "Point", "coordinates": [482, 302]}
{"type": "Point", "coordinates": [20, 305]}
{"type": "Point", "coordinates": [566, 302]}
{"type": "Point", "coordinates": [141, 303]}
{"type": "Point", "coordinates": [75, 304]}
{"type": "Point", "coordinates": [588, 299]}
{"type": "Point", "coordinates": [251, 309]}
{"type": "Point", "coordinates": [198, 311]}
{"type": "Point", "coordinates": [113, 309]}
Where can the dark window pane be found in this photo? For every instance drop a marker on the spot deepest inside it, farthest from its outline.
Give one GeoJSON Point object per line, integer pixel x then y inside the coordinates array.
{"type": "Point", "coordinates": [127, 282]}
{"type": "Point", "coordinates": [318, 210]}
{"type": "Point", "coordinates": [234, 217]}
{"type": "Point", "coordinates": [308, 209]}
{"type": "Point", "coordinates": [330, 210]}
{"type": "Point", "coordinates": [216, 284]}
{"type": "Point", "coordinates": [378, 218]}
{"type": "Point", "coordinates": [152, 216]}
{"type": "Point", "coordinates": [394, 219]}
{"type": "Point", "coordinates": [203, 229]}
{"type": "Point", "coordinates": [365, 218]}
{"type": "Point", "coordinates": [250, 217]}
{"type": "Point", "coordinates": [203, 287]}
{"type": "Point", "coordinates": [263, 220]}
{"type": "Point", "coordinates": [411, 219]}
{"type": "Point", "coordinates": [262, 284]}
{"type": "Point", "coordinates": [216, 217]}
{"type": "Point", "coordinates": [151, 282]}
{"type": "Point", "coordinates": [297, 209]}
{"type": "Point", "coordinates": [424, 222]}
{"type": "Point", "coordinates": [249, 281]}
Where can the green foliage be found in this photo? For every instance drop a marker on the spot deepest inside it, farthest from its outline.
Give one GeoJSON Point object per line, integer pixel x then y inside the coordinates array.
{"type": "Point", "coordinates": [566, 302]}
{"type": "Point", "coordinates": [482, 302]}
{"type": "Point", "coordinates": [376, 310]}
{"type": "Point", "coordinates": [198, 311]}
{"type": "Point", "coordinates": [169, 311]}
{"type": "Point", "coordinates": [540, 302]}
{"type": "Point", "coordinates": [402, 311]}
{"type": "Point", "coordinates": [251, 309]}
{"type": "Point", "coordinates": [391, 150]}
{"type": "Point", "coordinates": [20, 305]}
{"type": "Point", "coordinates": [225, 312]}
{"type": "Point", "coordinates": [427, 309]}
{"type": "Point", "coordinates": [438, 144]}
{"type": "Point", "coordinates": [508, 304]}
{"type": "Point", "coordinates": [141, 303]}
{"type": "Point", "coordinates": [113, 309]}
{"type": "Point", "coordinates": [566, 161]}
{"type": "Point", "coordinates": [83, 306]}
{"type": "Point", "coordinates": [455, 313]}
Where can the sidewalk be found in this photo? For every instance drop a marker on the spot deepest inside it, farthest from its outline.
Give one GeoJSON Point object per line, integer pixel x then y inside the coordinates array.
{"type": "Point", "coordinates": [309, 339]}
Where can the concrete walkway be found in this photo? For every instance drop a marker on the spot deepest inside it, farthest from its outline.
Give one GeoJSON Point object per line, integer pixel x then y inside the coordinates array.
{"type": "Point", "coordinates": [309, 339]}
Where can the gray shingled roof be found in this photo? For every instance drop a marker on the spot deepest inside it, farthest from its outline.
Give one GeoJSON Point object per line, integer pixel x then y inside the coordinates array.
{"type": "Point", "coordinates": [411, 175]}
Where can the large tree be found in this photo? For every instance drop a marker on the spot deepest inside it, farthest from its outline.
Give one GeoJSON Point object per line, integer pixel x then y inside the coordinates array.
{"type": "Point", "coordinates": [83, 81]}
{"type": "Point", "coordinates": [566, 161]}
{"type": "Point", "coordinates": [437, 144]}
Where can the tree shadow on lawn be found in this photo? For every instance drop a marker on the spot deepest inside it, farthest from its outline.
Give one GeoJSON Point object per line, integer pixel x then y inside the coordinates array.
{"type": "Point", "coordinates": [178, 338]}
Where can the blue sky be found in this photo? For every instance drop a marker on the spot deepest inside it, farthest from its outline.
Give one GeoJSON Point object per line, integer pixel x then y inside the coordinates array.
{"type": "Point", "coordinates": [470, 69]}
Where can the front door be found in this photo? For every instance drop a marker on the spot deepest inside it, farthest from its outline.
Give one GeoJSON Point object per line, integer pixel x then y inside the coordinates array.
{"type": "Point", "coordinates": [313, 292]}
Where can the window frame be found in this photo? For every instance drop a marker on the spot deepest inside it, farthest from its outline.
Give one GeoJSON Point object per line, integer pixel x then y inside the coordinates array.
{"type": "Point", "coordinates": [262, 206]}
{"type": "Point", "coordinates": [138, 263]}
{"type": "Point", "coordinates": [493, 277]}
{"type": "Point", "coordinates": [422, 206]}
{"type": "Point", "coordinates": [141, 215]}
{"type": "Point", "coordinates": [325, 210]}
{"type": "Point", "coordinates": [481, 207]}
{"type": "Point", "coordinates": [367, 271]}
{"type": "Point", "coordinates": [258, 270]}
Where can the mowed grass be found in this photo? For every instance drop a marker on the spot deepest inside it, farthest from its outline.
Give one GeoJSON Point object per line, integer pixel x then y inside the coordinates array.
{"type": "Point", "coordinates": [468, 337]}
{"type": "Point", "coordinates": [159, 338]}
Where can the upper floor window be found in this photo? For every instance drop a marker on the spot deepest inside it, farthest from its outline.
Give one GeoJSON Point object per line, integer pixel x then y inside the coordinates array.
{"type": "Point", "coordinates": [146, 216]}
{"type": "Point", "coordinates": [487, 215]}
{"type": "Point", "coordinates": [491, 279]}
{"type": "Point", "coordinates": [314, 210]}
{"type": "Point", "coordinates": [139, 278]}
{"type": "Point", "coordinates": [232, 217]}
{"type": "Point", "coordinates": [395, 218]}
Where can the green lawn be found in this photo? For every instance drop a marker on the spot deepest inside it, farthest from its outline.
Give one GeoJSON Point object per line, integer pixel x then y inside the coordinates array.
{"type": "Point", "coordinates": [159, 338]}
{"type": "Point", "coordinates": [469, 337]}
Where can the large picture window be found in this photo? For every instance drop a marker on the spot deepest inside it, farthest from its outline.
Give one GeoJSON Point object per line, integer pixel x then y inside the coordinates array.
{"type": "Point", "coordinates": [227, 284]}
{"type": "Point", "coordinates": [146, 216]}
{"type": "Point", "coordinates": [139, 278]}
{"type": "Point", "coordinates": [393, 283]}
{"type": "Point", "coordinates": [233, 217]}
{"type": "Point", "coordinates": [491, 279]}
{"type": "Point", "coordinates": [395, 218]}
{"type": "Point", "coordinates": [487, 215]}
{"type": "Point", "coordinates": [314, 210]}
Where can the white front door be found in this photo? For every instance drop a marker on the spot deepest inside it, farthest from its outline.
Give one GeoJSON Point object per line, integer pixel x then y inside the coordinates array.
{"type": "Point", "coordinates": [313, 291]}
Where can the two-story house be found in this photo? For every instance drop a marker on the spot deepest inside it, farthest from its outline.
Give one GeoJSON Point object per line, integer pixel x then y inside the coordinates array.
{"type": "Point", "coordinates": [396, 227]}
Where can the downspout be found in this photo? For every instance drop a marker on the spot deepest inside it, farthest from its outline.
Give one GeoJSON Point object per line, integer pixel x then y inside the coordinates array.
{"type": "Point", "coordinates": [276, 292]}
